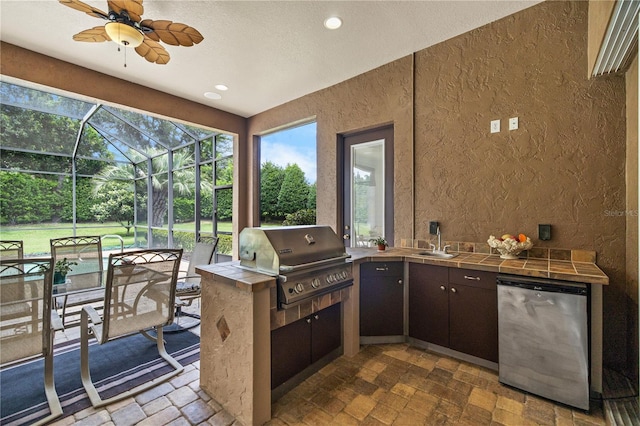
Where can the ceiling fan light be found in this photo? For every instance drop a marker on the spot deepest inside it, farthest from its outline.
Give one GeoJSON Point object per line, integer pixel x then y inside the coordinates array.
{"type": "Point", "coordinates": [124, 34]}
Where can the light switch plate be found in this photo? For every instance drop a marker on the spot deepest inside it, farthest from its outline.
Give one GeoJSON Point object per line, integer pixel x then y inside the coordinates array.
{"type": "Point", "coordinates": [513, 123]}
{"type": "Point", "coordinates": [495, 126]}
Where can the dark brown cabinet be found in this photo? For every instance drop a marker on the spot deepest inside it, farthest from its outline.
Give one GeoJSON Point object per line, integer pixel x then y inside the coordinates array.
{"type": "Point", "coordinates": [429, 303]}
{"type": "Point", "coordinates": [298, 345]}
{"type": "Point", "coordinates": [382, 299]}
{"type": "Point", "coordinates": [326, 332]}
{"type": "Point", "coordinates": [454, 308]}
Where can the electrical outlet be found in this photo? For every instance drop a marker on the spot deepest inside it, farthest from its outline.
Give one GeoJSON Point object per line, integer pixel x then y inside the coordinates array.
{"type": "Point", "coordinates": [544, 232]}
{"type": "Point", "coordinates": [433, 228]}
{"type": "Point", "coordinates": [495, 126]}
{"type": "Point", "coordinates": [513, 123]}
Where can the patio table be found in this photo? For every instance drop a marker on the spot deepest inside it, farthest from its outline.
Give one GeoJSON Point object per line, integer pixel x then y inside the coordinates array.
{"type": "Point", "coordinates": [78, 290]}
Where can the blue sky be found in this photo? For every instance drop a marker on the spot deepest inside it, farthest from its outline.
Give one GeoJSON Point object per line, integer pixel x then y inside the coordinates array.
{"type": "Point", "coordinates": [292, 146]}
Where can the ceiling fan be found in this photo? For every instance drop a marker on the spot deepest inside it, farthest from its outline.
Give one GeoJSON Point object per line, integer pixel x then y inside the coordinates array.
{"type": "Point", "coordinates": [127, 28]}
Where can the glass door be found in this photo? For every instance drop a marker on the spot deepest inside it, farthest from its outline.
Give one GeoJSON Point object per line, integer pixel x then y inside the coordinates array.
{"type": "Point", "coordinates": [368, 187]}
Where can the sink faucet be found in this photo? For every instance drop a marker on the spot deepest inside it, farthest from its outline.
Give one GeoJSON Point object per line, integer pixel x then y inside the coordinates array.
{"type": "Point", "coordinates": [439, 249]}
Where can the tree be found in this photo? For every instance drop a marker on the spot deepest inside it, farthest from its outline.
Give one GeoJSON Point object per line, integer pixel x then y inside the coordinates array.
{"type": "Point", "coordinates": [311, 198]}
{"type": "Point", "coordinates": [47, 133]}
{"type": "Point", "coordinates": [271, 178]}
{"type": "Point", "coordinates": [84, 200]}
{"type": "Point", "coordinates": [224, 207]}
{"type": "Point", "coordinates": [114, 202]}
{"type": "Point", "coordinates": [27, 198]}
{"type": "Point", "coordinates": [294, 190]}
{"type": "Point", "coordinates": [361, 186]}
{"type": "Point", "coordinates": [183, 178]}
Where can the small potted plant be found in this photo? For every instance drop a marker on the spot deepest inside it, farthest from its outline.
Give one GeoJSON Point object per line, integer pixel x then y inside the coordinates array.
{"type": "Point", "coordinates": [61, 269]}
{"type": "Point", "coordinates": [380, 242]}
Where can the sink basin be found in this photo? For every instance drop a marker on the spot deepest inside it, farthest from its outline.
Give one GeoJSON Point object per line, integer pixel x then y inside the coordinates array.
{"type": "Point", "coordinates": [438, 255]}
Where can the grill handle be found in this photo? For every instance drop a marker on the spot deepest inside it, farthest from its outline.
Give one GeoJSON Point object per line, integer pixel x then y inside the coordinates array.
{"type": "Point", "coordinates": [292, 268]}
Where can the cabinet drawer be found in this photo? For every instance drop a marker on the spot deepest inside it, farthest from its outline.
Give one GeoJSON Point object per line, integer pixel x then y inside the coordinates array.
{"type": "Point", "coordinates": [483, 279]}
{"type": "Point", "coordinates": [371, 269]}
{"type": "Point", "coordinates": [418, 272]}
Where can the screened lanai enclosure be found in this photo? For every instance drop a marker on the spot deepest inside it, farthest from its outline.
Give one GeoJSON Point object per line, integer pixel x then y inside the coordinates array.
{"type": "Point", "coordinates": [69, 167]}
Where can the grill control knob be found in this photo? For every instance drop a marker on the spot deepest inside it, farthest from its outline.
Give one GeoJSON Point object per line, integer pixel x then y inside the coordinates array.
{"type": "Point", "coordinates": [315, 283]}
{"type": "Point", "coordinates": [299, 288]}
{"type": "Point", "coordinates": [329, 279]}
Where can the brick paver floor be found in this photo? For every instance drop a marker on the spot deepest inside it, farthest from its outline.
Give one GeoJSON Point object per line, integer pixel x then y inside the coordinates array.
{"type": "Point", "coordinates": [383, 385]}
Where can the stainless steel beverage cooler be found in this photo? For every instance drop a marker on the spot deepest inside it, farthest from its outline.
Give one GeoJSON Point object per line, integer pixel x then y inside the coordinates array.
{"type": "Point", "coordinates": [544, 338]}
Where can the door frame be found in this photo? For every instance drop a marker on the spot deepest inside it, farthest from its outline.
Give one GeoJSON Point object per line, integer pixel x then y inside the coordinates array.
{"type": "Point", "coordinates": [343, 189]}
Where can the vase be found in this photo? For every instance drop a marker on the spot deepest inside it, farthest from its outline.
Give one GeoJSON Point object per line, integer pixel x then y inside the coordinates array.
{"type": "Point", "coordinates": [59, 278]}
{"type": "Point", "coordinates": [381, 247]}
{"type": "Point", "coordinates": [509, 256]}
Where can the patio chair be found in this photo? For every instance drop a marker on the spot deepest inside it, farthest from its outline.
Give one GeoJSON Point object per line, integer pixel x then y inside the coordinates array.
{"type": "Point", "coordinates": [139, 295]}
{"type": "Point", "coordinates": [188, 286]}
{"type": "Point", "coordinates": [27, 323]}
{"type": "Point", "coordinates": [86, 276]}
{"type": "Point", "coordinates": [11, 249]}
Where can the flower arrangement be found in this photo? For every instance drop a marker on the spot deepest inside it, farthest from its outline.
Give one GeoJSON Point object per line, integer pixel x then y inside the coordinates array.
{"type": "Point", "coordinates": [380, 242]}
{"type": "Point", "coordinates": [510, 246]}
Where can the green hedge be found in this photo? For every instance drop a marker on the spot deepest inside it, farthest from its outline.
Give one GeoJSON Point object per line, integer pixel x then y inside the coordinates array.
{"type": "Point", "coordinates": [301, 217]}
{"type": "Point", "coordinates": [186, 240]}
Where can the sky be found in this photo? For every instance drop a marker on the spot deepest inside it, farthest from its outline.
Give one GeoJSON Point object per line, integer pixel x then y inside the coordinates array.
{"type": "Point", "coordinates": [292, 146]}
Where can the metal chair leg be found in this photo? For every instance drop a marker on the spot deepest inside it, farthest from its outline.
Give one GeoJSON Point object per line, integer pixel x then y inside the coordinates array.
{"type": "Point", "coordinates": [95, 398]}
{"type": "Point", "coordinates": [50, 389]}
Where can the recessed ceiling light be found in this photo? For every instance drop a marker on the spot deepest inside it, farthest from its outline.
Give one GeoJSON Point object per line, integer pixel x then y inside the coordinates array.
{"type": "Point", "coordinates": [212, 95]}
{"type": "Point", "coordinates": [333, 23]}
{"type": "Point", "coordinates": [221, 87]}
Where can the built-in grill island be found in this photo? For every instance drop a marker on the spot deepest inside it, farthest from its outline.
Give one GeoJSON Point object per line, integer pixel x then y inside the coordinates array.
{"type": "Point", "coordinates": [291, 291]}
{"type": "Point", "coordinates": [308, 261]}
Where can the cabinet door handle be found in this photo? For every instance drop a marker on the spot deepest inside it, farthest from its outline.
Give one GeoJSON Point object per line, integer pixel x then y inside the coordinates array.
{"type": "Point", "coordinates": [382, 269]}
{"type": "Point", "coordinates": [316, 317]}
{"type": "Point", "coordinates": [308, 320]}
{"type": "Point", "coordinates": [400, 282]}
{"type": "Point", "coordinates": [467, 277]}
{"type": "Point", "coordinates": [453, 290]}
{"type": "Point", "coordinates": [443, 288]}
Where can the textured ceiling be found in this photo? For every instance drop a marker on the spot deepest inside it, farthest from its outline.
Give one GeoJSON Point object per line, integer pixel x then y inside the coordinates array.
{"type": "Point", "coordinates": [266, 52]}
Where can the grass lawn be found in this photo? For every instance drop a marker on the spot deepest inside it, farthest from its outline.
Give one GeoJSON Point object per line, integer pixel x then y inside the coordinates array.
{"type": "Point", "coordinates": [36, 236]}
{"type": "Point", "coordinates": [205, 226]}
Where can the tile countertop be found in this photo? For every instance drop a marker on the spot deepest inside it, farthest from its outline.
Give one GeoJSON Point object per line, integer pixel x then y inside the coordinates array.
{"type": "Point", "coordinates": [232, 274]}
{"type": "Point", "coordinates": [567, 270]}
{"type": "Point", "coordinates": [585, 272]}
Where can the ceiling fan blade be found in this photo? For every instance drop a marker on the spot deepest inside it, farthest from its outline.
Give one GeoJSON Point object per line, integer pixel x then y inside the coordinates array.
{"type": "Point", "coordinates": [93, 35]}
{"type": "Point", "coordinates": [173, 33]}
{"type": "Point", "coordinates": [152, 51]}
{"type": "Point", "coordinates": [133, 7]}
{"type": "Point", "coordinates": [83, 7]}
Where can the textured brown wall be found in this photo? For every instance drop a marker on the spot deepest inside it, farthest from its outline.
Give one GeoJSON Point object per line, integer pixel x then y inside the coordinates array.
{"type": "Point", "coordinates": [564, 166]}
{"type": "Point", "coordinates": [632, 216]}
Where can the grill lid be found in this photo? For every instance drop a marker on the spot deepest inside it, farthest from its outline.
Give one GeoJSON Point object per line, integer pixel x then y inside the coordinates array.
{"type": "Point", "coordinates": [289, 248]}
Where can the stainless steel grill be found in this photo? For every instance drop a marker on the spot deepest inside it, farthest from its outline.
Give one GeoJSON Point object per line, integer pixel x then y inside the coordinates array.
{"type": "Point", "coordinates": [307, 260]}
